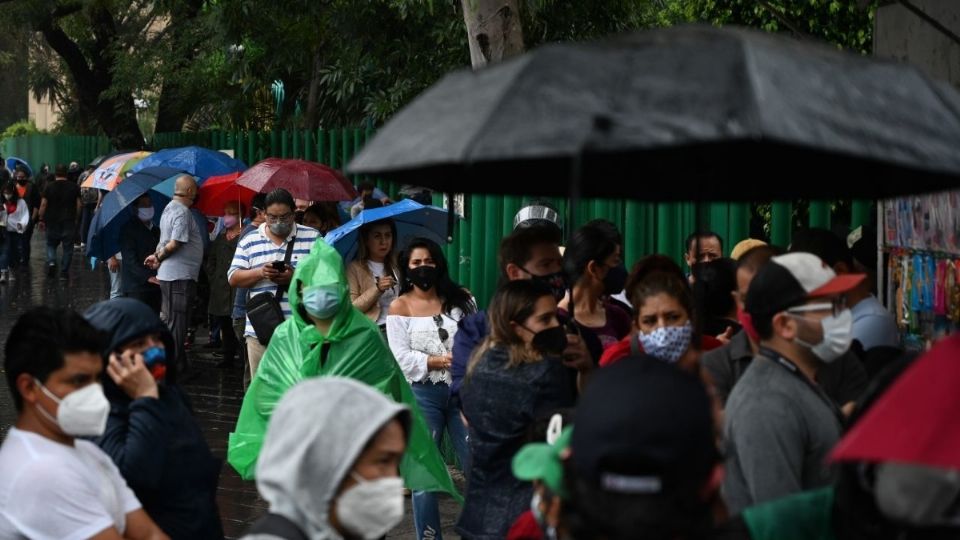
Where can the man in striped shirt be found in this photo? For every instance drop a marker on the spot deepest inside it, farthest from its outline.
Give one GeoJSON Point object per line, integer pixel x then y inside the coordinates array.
{"type": "Point", "coordinates": [252, 265]}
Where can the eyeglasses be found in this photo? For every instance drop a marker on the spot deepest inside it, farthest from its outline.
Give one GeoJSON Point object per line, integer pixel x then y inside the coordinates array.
{"type": "Point", "coordinates": [835, 307]}
{"type": "Point", "coordinates": [279, 219]}
{"type": "Point", "coordinates": [441, 331]}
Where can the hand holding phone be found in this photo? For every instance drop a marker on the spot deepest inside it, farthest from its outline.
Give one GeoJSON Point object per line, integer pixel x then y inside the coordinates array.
{"type": "Point", "coordinates": [279, 266]}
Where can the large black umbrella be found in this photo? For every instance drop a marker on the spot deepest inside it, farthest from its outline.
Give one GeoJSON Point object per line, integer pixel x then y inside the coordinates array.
{"type": "Point", "coordinates": [689, 113]}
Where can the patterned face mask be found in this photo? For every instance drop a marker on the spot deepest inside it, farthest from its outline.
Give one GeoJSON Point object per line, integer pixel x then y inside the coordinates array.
{"type": "Point", "coordinates": [668, 343]}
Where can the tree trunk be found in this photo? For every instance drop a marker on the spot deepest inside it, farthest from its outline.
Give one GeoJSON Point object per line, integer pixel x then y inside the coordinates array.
{"type": "Point", "coordinates": [312, 118]}
{"type": "Point", "coordinates": [494, 30]}
{"type": "Point", "coordinates": [170, 117]}
{"type": "Point", "coordinates": [115, 114]}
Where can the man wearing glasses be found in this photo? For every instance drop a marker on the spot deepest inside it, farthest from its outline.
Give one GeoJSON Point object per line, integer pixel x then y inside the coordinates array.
{"type": "Point", "coordinates": [259, 261]}
{"type": "Point", "coordinates": [780, 424]}
{"type": "Point", "coordinates": [177, 261]}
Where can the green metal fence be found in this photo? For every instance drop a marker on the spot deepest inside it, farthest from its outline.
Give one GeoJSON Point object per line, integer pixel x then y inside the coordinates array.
{"type": "Point", "coordinates": [52, 149]}
{"type": "Point", "coordinates": [647, 227]}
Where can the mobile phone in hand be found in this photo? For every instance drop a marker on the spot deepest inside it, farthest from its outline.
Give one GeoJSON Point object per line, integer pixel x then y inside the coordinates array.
{"type": "Point", "coordinates": [279, 266]}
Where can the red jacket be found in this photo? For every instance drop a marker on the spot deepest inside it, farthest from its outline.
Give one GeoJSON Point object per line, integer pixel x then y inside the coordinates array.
{"type": "Point", "coordinates": [621, 349]}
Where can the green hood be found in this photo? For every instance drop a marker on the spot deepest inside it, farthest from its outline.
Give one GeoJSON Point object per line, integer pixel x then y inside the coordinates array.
{"type": "Point", "coordinates": [355, 349]}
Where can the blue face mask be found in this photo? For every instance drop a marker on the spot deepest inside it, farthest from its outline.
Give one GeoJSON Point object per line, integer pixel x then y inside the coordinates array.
{"type": "Point", "coordinates": [154, 356]}
{"type": "Point", "coordinates": [322, 301]}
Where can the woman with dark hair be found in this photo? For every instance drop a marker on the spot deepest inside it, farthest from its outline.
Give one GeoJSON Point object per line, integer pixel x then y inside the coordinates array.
{"type": "Point", "coordinates": [516, 377]}
{"type": "Point", "coordinates": [373, 275]}
{"type": "Point", "coordinates": [421, 326]}
{"type": "Point", "coordinates": [322, 216]}
{"type": "Point", "coordinates": [663, 318]}
{"type": "Point", "coordinates": [594, 265]}
{"type": "Point", "coordinates": [16, 216]}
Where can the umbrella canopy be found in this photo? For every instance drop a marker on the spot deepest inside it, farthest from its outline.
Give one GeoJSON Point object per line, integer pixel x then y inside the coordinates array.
{"type": "Point", "coordinates": [306, 180]}
{"type": "Point", "coordinates": [199, 162]}
{"type": "Point", "coordinates": [12, 163]}
{"type": "Point", "coordinates": [217, 191]}
{"type": "Point", "coordinates": [915, 420]}
{"type": "Point", "coordinates": [103, 240]}
{"type": "Point", "coordinates": [683, 113]}
{"type": "Point", "coordinates": [111, 170]}
{"type": "Point", "coordinates": [412, 220]}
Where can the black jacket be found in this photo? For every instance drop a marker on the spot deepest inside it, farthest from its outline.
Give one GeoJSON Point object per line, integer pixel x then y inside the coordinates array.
{"type": "Point", "coordinates": [137, 242]}
{"type": "Point", "coordinates": [157, 443]}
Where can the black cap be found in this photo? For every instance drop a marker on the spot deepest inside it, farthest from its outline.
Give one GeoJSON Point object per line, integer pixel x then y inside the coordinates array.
{"type": "Point", "coordinates": [644, 427]}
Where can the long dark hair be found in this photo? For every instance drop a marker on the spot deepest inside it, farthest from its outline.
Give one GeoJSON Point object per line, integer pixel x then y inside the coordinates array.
{"type": "Point", "coordinates": [452, 294]}
{"type": "Point", "coordinates": [595, 241]}
{"type": "Point", "coordinates": [390, 261]}
{"type": "Point", "coordinates": [11, 187]}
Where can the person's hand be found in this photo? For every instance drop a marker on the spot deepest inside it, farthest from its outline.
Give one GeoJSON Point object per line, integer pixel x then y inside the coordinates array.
{"type": "Point", "coordinates": [726, 335]}
{"type": "Point", "coordinates": [19, 227]}
{"type": "Point", "coordinates": [439, 362]}
{"type": "Point", "coordinates": [154, 280]}
{"type": "Point", "coordinates": [267, 271]}
{"type": "Point", "coordinates": [386, 282]}
{"type": "Point", "coordinates": [576, 355]}
{"type": "Point", "coordinates": [132, 375]}
{"type": "Point", "coordinates": [283, 278]}
{"type": "Point", "coordinates": [152, 262]}
{"type": "Point", "coordinates": [113, 265]}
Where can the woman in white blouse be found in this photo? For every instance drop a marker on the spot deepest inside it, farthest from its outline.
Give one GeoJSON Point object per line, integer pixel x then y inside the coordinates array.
{"type": "Point", "coordinates": [420, 328]}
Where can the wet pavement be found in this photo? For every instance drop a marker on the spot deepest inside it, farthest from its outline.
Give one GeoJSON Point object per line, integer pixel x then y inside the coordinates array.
{"type": "Point", "coordinates": [216, 393]}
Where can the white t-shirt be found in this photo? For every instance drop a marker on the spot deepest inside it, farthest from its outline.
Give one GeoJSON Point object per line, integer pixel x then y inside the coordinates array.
{"type": "Point", "coordinates": [388, 296]}
{"type": "Point", "coordinates": [51, 490]}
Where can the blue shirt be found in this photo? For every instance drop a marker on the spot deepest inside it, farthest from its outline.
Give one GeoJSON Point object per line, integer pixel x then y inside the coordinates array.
{"type": "Point", "coordinates": [873, 325]}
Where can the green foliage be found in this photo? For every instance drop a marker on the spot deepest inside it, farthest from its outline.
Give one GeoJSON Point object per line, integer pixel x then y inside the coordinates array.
{"type": "Point", "coordinates": [17, 129]}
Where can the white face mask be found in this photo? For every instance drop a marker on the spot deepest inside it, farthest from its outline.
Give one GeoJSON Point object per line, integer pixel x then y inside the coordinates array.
{"type": "Point", "coordinates": [371, 508]}
{"type": "Point", "coordinates": [145, 214]}
{"type": "Point", "coordinates": [917, 495]}
{"type": "Point", "coordinates": [82, 413]}
{"type": "Point", "coordinates": [837, 337]}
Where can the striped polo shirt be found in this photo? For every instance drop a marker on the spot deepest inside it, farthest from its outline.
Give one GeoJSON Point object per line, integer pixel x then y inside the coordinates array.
{"type": "Point", "coordinates": [257, 249]}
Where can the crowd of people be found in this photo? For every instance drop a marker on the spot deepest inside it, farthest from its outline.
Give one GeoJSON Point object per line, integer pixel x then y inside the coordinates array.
{"type": "Point", "coordinates": [588, 401]}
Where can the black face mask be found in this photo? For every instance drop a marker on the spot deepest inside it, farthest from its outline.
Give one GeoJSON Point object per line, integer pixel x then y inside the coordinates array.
{"type": "Point", "coordinates": [298, 216]}
{"type": "Point", "coordinates": [615, 280]}
{"type": "Point", "coordinates": [551, 341]}
{"type": "Point", "coordinates": [556, 282]}
{"type": "Point", "coordinates": [423, 277]}
{"type": "Point", "coordinates": [22, 181]}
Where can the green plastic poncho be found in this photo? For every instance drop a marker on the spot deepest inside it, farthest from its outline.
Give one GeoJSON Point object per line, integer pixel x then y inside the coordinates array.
{"type": "Point", "coordinates": [356, 350]}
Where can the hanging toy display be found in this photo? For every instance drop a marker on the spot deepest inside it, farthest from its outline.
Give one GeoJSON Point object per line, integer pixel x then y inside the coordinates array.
{"type": "Point", "coordinates": [922, 240]}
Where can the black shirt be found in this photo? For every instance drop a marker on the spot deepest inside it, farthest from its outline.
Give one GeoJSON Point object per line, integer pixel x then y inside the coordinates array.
{"type": "Point", "coordinates": [61, 197]}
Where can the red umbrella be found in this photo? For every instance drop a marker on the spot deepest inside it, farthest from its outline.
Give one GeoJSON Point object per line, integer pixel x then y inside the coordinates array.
{"type": "Point", "coordinates": [303, 179]}
{"type": "Point", "coordinates": [217, 191]}
{"type": "Point", "coordinates": [916, 419]}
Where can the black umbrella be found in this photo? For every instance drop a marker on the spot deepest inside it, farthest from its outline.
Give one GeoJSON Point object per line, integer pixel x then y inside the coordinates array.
{"type": "Point", "coordinates": [689, 113]}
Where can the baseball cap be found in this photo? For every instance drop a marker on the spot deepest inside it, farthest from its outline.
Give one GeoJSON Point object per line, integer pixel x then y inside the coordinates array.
{"type": "Point", "coordinates": [644, 427]}
{"type": "Point", "coordinates": [544, 462]}
{"type": "Point", "coordinates": [744, 246]}
{"type": "Point", "coordinates": [792, 279]}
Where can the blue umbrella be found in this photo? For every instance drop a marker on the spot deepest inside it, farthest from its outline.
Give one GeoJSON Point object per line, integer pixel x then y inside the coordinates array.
{"type": "Point", "coordinates": [115, 211]}
{"type": "Point", "coordinates": [12, 163]}
{"type": "Point", "coordinates": [200, 162]}
{"type": "Point", "coordinates": [412, 219]}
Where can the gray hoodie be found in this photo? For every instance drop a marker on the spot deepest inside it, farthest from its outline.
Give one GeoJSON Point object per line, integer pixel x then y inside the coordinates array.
{"type": "Point", "coordinates": [317, 432]}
